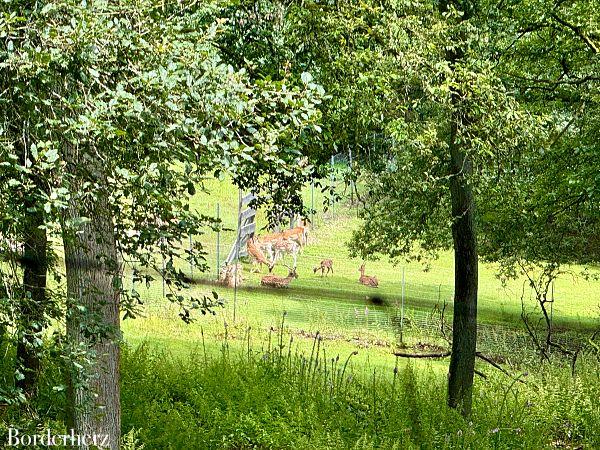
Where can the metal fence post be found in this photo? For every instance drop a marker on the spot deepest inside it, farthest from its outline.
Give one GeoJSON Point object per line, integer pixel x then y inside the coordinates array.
{"type": "Point", "coordinates": [331, 186]}
{"type": "Point", "coordinates": [351, 180]}
{"type": "Point", "coordinates": [218, 240]}
{"type": "Point", "coordinates": [402, 311]}
{"type": "Point", "coordinates": [237, 254]}
{"type": "Point", "coordinates": [191, 260]}
{"type": "Point", "coordinates": [551, 305]}
{"type": "Point", "coordinates": [312, 203]}
{"type": "Point", "coordinates": [163, 275]}
{"type": "Point", "coordinates": [133, 279]}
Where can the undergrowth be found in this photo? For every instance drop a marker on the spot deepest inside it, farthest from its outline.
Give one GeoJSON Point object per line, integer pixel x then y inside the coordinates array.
{"type": "Point", "coordinates": [278, 397]}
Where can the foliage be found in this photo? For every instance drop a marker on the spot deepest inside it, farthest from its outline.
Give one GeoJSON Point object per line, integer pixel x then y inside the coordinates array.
{"type": "Point", "coordinates": [554, 188]}
{"type": "Point", "coordinates": [162, 110]}
{"type": "Point", "coordinates": [408, 194]}
{"type": "Point", "coordinates": [142, 92]}
{"type": "Point", "coordinates": [284, 402]}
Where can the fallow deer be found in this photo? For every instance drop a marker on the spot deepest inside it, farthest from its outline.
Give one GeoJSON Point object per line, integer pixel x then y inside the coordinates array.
{"type": "Point", "coordinates": [258, 257]}
{"type": "Point", "coordinates": [282, 247]}
{"type": "Point", "coordinates": [231, 275]}
{"type": "Point", "coordinates": [366, 279]}
{"type": "Point", "coordinates": [325, 264]}
{"type": "Point", "coordinates": [278, 282]}
{"type": "Point", "coordinates": [298, 234]}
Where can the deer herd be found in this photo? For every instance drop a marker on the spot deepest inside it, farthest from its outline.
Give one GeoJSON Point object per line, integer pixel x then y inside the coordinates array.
{"type": "Point", "coordinates": [269, 249]}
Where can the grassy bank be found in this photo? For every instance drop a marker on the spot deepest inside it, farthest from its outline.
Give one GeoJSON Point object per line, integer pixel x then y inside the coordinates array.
{"type": "Point", "coordinates": [350, 316]}
{"type": "Point", "coordinates": [283, 398]}
{"type": "Point", "coordinates": [339, 301]}
{"type": "Point", "coordinates": [289, 400]}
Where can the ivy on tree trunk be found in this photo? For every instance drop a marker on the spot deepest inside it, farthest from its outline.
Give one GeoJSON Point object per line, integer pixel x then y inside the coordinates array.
{"type": "Point", "coordinates": [33, 305]}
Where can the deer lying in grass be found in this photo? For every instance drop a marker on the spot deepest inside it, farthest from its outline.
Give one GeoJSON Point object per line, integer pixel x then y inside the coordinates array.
{"type": "Point", "coordinates": [325, 264]}
{"type": "Point", "coordinates": [366, 279]}
{"type": "Point", "coordinates": [231, 275]}
{"type": "Point", "coordinates": [279, 282]}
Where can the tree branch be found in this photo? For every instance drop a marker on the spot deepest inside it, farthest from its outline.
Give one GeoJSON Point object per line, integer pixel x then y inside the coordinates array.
{"type": "Point", "coordinates": [578, 32]}
{"type": "Point", "coordinates": [495, 365]}
{"type": "Point", "coordinates": [422, 355]}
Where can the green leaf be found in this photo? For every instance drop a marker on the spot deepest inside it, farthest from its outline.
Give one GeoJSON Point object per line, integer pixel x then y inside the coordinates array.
{"type": "Point", "coordinates": [51, 155]}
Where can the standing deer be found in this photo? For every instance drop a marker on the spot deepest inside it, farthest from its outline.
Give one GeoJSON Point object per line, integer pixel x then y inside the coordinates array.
{"type": "Point", "coordinates": [366, 279]}
{"type": "Point", "coordinates": [298, 234]}
{"type": "Point", "coordinates": [255, 250]}
{"type": "Point", "coordinates": [282, 247]}
{"type": "Point", "coordinates": [325, 264]}
{"type": "Point", "coordinates": [278, 282]}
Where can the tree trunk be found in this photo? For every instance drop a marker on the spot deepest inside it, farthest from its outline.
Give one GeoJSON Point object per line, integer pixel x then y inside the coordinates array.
{"type": "Point", "coordinates": [464, 236]}
{"type": "Point", "coordinates": [93, 329]}
{"type": "Point", "coordinates": [464, 336]}
{"type": "Point", "coordinates": [32, 306]}
{"type": "Point", "coordinates": [33, 303]}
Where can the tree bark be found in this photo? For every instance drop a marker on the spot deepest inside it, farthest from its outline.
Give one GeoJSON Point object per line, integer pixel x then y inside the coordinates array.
{"type": "Point", "coordinates": [464, 236]}
{"type": "Point", "coordinates": [93, 328]}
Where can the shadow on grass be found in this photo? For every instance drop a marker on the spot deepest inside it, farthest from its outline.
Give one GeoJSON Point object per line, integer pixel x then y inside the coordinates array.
{"type": "Point", "coordinates": [360, 297]}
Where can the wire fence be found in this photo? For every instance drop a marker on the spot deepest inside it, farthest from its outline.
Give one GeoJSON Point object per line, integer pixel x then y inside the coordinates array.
{"type": "Point", "coordinates": [345, 311]}
{"type": "Point", "coordinates": [408, 303]}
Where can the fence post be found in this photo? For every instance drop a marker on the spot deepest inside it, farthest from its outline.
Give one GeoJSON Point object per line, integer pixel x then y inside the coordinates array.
{"type": "Point", "coordinates": [351, 180]}
{"type": "Point", "coordinates": [312, 203]}
{"type": "Point", "coordinates": [402, 311]}
{"type": "Point", "coordinates": [218, 240]}
{"type": "Point", "coordinates": [551, 306]}
{"type": "Point", "coordinates": [163, 275]}
{"type": "Point", "coordinates": [133, 278]}
{"type": "Point", "coordinates": [331, 181]}
{"type": "Point", "coordinates": [237, 254]}
{"type": "Point", "coordinates": [191, 261]}
{"type": "Point", "coordinates": [438, 302]}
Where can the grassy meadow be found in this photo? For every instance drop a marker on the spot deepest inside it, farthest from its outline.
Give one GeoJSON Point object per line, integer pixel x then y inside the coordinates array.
{"type": "Point", "coordinates": [246, 381]}
{"type": "Point", "coordinates": [341, 309]}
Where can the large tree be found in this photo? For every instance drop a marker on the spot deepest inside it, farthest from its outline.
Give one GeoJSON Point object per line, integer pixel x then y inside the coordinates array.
{"type": "Point", "coordinates": [459, 124]}
{"type": "Point", "coordinates": [413, 91]}
{"type": "Point", "coordinates": [136, 108]}
{"type": "Point", "coordinates": [551, 60]}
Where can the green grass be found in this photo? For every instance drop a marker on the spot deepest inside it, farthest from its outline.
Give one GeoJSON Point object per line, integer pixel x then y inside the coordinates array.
{"type": "Point", "coordinates": [288, 399]}
{"type": "Point", "coordinates": [228, 395]}
{"type": "Point", "coordinates": [198, 386]}
{"type": "Point", "coordinates": [338, 306]}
